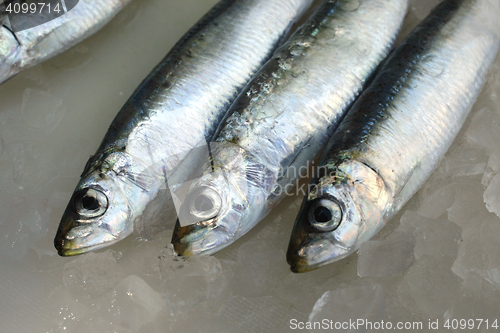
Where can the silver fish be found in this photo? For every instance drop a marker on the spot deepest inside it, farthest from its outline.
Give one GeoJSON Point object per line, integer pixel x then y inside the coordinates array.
{"type": "Point", "coordinates": [283, 120]}
{"type": "Point", "coordinates": [23, 49]}
{"type": "Point", "coordinates": [175, 109]}
{"type": "Point", "coordinates": [396, 133]}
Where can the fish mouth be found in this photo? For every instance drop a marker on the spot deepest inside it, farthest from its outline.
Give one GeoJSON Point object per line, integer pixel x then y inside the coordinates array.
{"type": "Point", "coordinates": [66, 248]}
{"type": "Point", "coordinates": [181, 246]}
{"type": "Point", "coordinates": [71, 247]}
{"type": "Point", "coordinates": [202, 238]}
{"type": "Point", "coordinates": [300, 265]}
{"type": "Point", "coordinates": [74, 238]}
{"type": "Point", "coordinates": [309, 254]}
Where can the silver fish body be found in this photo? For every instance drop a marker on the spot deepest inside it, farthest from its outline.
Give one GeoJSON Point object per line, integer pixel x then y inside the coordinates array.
{"type": "Point", "coordinates": [175, 109]}
{"type": "Point", "coordinates": [396, 133]}
{"type": "Point", "coordinates": [283, 120]}
{"type": "Point", "coordinates": [23, 49]}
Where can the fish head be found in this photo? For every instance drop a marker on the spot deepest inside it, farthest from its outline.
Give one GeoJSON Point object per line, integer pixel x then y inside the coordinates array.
{"type": "Point", "coordinates": [219, 208]}
{"type": "Point", "coordinates": [343, 210]}
{"type": "Point", "coordinates": [103, 206]}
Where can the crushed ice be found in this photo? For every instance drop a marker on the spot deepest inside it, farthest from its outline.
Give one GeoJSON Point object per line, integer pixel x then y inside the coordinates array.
{"type": "Point", "coordinates": [437, 259]}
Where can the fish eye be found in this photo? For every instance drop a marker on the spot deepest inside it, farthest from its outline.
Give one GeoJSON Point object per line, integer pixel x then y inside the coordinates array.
{"type": "Point", "coordinates": [90, 203]}
{"type": "Point", "coordinates": [325, 215]}
{"type": "Point", "coordinates": [205, 203]}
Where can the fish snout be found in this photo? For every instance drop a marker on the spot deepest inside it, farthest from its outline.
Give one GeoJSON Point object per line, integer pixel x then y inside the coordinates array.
{"type": "Point", "coordinates": [202, 238]}
{"type": "Point", "coordinates": [90, 222]}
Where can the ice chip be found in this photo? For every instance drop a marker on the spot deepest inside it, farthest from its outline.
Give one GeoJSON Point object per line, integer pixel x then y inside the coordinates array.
{"type": "Point", "coordinates": [162, 324]}
{"type": "Point", "coordinates": [259, 268]}
{"type": "Point", "coordinates": [429, 287]}
{"type": "Point", "coordinates": [287, 323]}
{"type": "Point", "coordinates": [42, 110]}
{"type": "Point", "coordinates": [492, 168]}
{"type": "Point", "coordinates": [437, 202]}
{"type": "Point", "coordinates": [255, 314]}
{"type": "Point", "coordinates": [2, 145]}
{"type": "Point", "coordinates": [43, 150]}
{"type": "Point", "coordinates": [492, 195]}
{"type": "Point", "coordinates": [189, 281]}
{"type": "Point", "coordinates": [469, 204]}
{"type": "Point", "coordinates": [311, 289]}
{"type": "Point", "coordinates": [479, 250]}
{"type": "Point", "coordinates": [95, 324]}
{"type": "Point", "coordinates": [463, 159]}
{"type": "Point", "coordinates": [26, 221]}
{"type": "Point", "coordinates": [200, 325]}
{"type": "Point", "coordinates": [436, 237]}
{"type": "Point", "coordinates": [132, 304]}
{"type": "Point", "coordinates": [66, 312]}
{"type": "Point", "coordinates": [478, 298]}
{"type": "Point", "coordinates": [484, 129]}
{"type": "Point", "coordinates": [17, 239]}
{"type": "Point", "coordinates": [142, 259]}
{"type": "Point", "coordinates": [394, 311]}
{"type": "Point", "coordinates": [31, 163]}
{"type": "Point", "coordinates": [388, 257]}
{"type": "Point", "coordinates": [352, 303]}
{"type": "Point", "coordinates": [91, 275]}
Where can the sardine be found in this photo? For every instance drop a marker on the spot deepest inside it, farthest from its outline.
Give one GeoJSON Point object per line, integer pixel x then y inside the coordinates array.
{"type": "Point", "coordinates": [20, 50]}
{"type": "Point", "coordinates": [283, 119]}
{"type": "Point", "coordinates": [175, 109]}
{"type": "Point", "coordinates": [396, 133]}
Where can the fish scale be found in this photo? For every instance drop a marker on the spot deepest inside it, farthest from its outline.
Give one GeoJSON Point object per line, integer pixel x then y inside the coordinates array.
{"type": "Point", "coordinates": [284, 118]}
{"type": "Point", "coordinates": [397, 132]}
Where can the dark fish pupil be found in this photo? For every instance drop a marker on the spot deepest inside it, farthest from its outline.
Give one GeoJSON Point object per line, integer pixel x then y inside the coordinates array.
{"type": "Point", "coordinates": [322, 214]}
{"type": "Point", "coordinates": [203, 203]}
{"type": "Point", "coordinates": [90, 203]}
